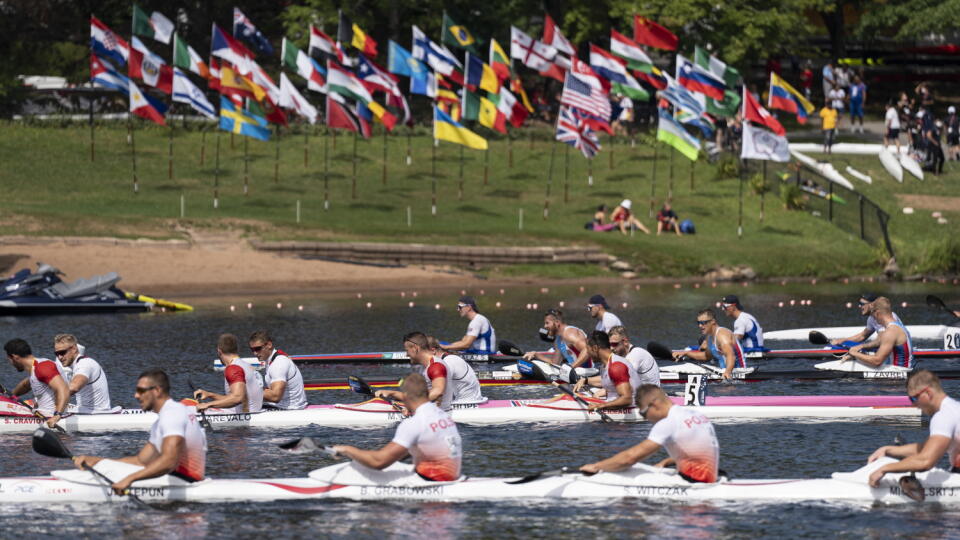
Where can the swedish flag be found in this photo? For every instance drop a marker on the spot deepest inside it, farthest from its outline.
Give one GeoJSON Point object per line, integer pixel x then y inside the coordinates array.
{"type": "Point", "coordinates": [242, 122]}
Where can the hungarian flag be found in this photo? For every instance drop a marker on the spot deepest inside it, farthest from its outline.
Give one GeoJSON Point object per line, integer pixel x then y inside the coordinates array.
{"type": "Point", "coordinates": [754, 112]}
{"type": "Point", "coordinates": [650, 33]}
{"type": "Point", "coordinates": [145, 106]}
{"type": "Point", "coordinates": [499, 61]}
{"type": "Point", "coordinates": [185, 57]}
{"type": "Point", "coordinates": [511, 107]}
{"type": "Point", "coordinates": [155, 26]}
{"type": "Point", "coordinates": [346, 84]}
{"type": "Point", "coordinates": [348, 32]}
{"type": "Point", "coordinates": [149, 67]}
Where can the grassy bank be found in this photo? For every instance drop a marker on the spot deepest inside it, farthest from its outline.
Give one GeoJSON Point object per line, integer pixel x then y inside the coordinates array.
{"type": "Point", "coordinates": [51, 187]}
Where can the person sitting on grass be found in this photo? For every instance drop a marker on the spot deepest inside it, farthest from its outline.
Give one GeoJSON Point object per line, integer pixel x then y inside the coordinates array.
{"type": "Point", "coordinates": [623, 218]}
{"type": "Point", "coordinates": [667, 220]}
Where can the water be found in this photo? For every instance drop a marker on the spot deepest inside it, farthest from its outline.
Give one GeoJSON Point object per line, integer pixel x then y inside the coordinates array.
{"type": "Point", "coordinates": [184, 345]}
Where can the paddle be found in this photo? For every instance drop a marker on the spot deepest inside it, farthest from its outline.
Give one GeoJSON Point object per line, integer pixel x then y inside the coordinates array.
{"type": "Point", "coordinates": [909, 485]}
{"type": "Point", "coordinates": [38, 414]}
{"type": "Point", "coordinates": [307, 445]}
{"type": "Point", "coordinates": [509, 349]}
{"type": "Point", "coordinates": [547, 474]}
{"type": "Point", "coordinates": [936, 303]}
{"type": "Point", "coordinates": [46, 443]}
{"type": "Point", "coordinates": [818, 338]}
{"type": "Point", "coordinates": [360, 386]}
{"type": "Point", "coordinates": [203, 413]}
{"type": "Point", "coordinates": [662, 352]}
{"type": "Point", "coordinates": [566, 390]}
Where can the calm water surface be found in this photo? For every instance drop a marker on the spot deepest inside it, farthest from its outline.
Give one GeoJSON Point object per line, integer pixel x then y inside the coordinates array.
{"type": "Point", "coordinates": [184, 345]}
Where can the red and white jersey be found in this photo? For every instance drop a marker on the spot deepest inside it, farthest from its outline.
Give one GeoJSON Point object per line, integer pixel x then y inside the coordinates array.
{"type": "Point", "coordinates": [43, 372]}
{"type": "Point", "coordinates": [616, 372]}
{"type": "Point", "coordinates": [946, 422]}
{"type": "Point", "coordinates": [645, 365]}
{"type": "Point", "coordinates": [241, 371]}
{"type": "Point", "coordinates": [281, 368]}
{"type": "Point", "coordinates": [462, 384]}
{"type": "Point", "coordinates": [689, 438]}
{"type": "Point", "coordinates": [176, 419]}
{"type": "Point", "coordinates": [432, 439]}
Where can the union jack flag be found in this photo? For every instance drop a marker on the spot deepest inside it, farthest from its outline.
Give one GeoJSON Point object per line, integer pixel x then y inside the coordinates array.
{"type": "Point", "coordinates": [573, 129]}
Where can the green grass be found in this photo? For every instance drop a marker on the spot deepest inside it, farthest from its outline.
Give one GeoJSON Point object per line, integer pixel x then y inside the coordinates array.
{"type": "Point", "coordinates": [52, 188]}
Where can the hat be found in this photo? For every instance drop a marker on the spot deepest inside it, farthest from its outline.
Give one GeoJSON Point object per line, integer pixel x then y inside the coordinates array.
{"type": "Point", "coordinates": [951, 109]}
{"type": "Point", "coordinates": [626, 204]}
{"type": "Point", "coordinates": [869, 296]}
{"type": "Point", "coordinates": [731, 299]}
{"type": "Point", "coordinates": [919, 114]}
{"type": "Point", "coordinates": [468, 301]}
{"type": "Point", "coordinates": [598, 299]}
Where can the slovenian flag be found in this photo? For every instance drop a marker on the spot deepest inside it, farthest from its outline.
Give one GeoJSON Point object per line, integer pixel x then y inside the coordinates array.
{"type": "Point", "coordinates": [697, 79]}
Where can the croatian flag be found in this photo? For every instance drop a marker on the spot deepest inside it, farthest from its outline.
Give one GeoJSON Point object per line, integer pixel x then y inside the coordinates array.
{"type": "Point", "coordinates": [106, 43]}
{"type": "Point", "coordinates": [697, 79]}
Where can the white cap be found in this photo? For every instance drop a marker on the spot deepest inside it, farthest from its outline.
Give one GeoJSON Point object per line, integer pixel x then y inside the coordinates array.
{"type": "Point", "coordinates": [951, 109]}
{"type": "Point", "coordinates": [626, 204]}
{"type": "Point", "coordinates": [919, 114]}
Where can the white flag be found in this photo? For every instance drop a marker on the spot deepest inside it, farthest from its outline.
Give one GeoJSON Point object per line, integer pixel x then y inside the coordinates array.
{"type": "Point", "coordinates": [534, 54]}
{"type": "Point", "coordinates": [290, 98]}
{"type": "Point", "coordinates": [162, 27]}
{"type": "Point", "coordinates": [762, 144]}
{"type": "Point", "coordinates": [184, 91]}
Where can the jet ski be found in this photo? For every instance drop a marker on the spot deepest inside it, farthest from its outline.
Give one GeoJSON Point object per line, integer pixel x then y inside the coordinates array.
{"type": "Point", "coordinates": [43, 292]}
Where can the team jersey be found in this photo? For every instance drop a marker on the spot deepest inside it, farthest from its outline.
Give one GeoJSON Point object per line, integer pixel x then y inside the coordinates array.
{"type": "Point", "coordinates": [240, 371]}
{"type": "Point", "coordinates": [946, 422]}
{"type": "Point", "coordinates": [432, 439]}
{"type": "Point", "coordinates": [616, 372]}
{"type": "Point", "coordinates": [567, 352]}
{"type": "Point", "coordinates": [747, 326]}
{"type": "Point", "coordinates": [462, 385]}
{"type": "Point", "coordinates": [608, 321]}
{"type": "Point", "coordinates": [901, 355]}
{"type": "Point", "coordinates": [739, 361]}
{"type": "Point", "coordinates": [95, 395]}
{"type": "Point", "coordinates": [281, 368]}
{"type": "Point", "coordinates": [875, 327]}
{"type": "Point", "coordinates": [177, 419]}
{"type": "Point", "coordinates": [43, 372]}
{"type": "Point", "coordinates": [689, 438]}
{"type": "Point", "coordinates": [486, 338]}
{"type": "Point", "coordinates": [644, 365]}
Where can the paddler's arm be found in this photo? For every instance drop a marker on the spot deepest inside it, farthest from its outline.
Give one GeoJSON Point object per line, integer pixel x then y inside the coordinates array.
{"type": "Point", "coordinates": [77, 383]}
{"type": "Point", "coordinates": [164, 463]}
{"type": "Point", "coordinates": [62, 393]}
{"type": "Point", "coordinates": [624, 459]}
{"type": "Point", "coordinates": [22, 387]}
{"type": "Point", "coordinates": [274, 392]}
{"type": "Point", "coordinates": [725, 339]}
{"type": "Point", "coordinates": [886, 342]}
{"type": "Point", "coordinates": [464, 343]}
{"type": "Point", "coordinates": [549, 357]}
{"type": "Point", "coordinates": [862, 335]}
{"type": "Point", "coordinates": [375, 459]}
{"type": "Point", "coordinates": [924, 460]}
{"type": "Point", "coordinates": [697, 355]}
{"type": "Point", "coordinates": [898, 452]}
{"type": "Point", "coordinates": [395, 395]}
{"type": "Point", "coordinates": [146, 454]}
{"type": "Point", "coordinates": [237, 395]}
{"type": "Point", "coordinates": [579, 342]}
{"type": "Point", "coordinates": [625, 399]}
{"type": "Point", "coordinates": [437, 386]}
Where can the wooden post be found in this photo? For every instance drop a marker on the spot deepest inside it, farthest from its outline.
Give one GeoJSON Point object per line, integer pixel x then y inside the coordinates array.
{"type": "Point", "coordinates": [566, 173]}
{"type": "Point", "coordinates": [486, 166]}
{"type": "Point", "coordinates": [692, 164]}
{"type": "Point", "coordinates": [611, 151]}
{"type": "Point", "coordinates": [246, 165]}
{"type": "Point", "coordinates": [353, 186]}
{"type": "Point", "coordinates": [326, 170]}
{"type": "Point", "coordinates": [460, 190]}
{"type": "Point", "coordinates": [509, 151]}
{"type": "Point", "coordinates": [670, 178]}
{"type": "Point", "coordinates": [216, 175]}
{"type": "Point", "coordinates": [433, 174]}
{"type": "Point", "coordinates": [546, 201]}
{"type": "Point", "coordinates": [276, 158]}
{"type": "Point", "coordinates": [170, 155]}
{"type": "Point", "coordinates": [306, 144]}
{"type": "Point", "coordinates": [653, 177]}
{"type": "Point", "coordinates": [743, 169]}
{"type": "Point", "coordinates": [384, 156]}
{"type": "Point", "coordinates": [409, 157]}
{"type": "Point", "coordinates": [92, 131]}
{"type": "Point", "coordinates": [133, 155]}
{"type": "Point", "coordinates": [203, 144]}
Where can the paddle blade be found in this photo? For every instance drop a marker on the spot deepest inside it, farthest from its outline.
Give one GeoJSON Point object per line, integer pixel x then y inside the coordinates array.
{"type": "Point", "coordinates": [659, 351]}
{"type": "Point", "coordinates": [573, 376]}
{"type": "Point", "coordinates": [542, 474]}
{"type": "Point", "coordinates": [936, 303]}
{"type": "Point", "coordinates": [911, 487]}
{"type": "Point", "coordinates": [817, 338]}
{"type": "Point", "coordinates": [509, 349]}
{"type": "Point", "coordinates": [359, 385]}
{"type": "Point", "coordinates": [545, 335]}
{"type": "Point", "coordinates": [46, 443]}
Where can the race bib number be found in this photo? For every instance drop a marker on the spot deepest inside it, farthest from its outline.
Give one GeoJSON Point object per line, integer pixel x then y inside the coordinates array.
{"type": "Point", "coordinates": [951, 339]}
{"type": "Point", "coordinates": [695, 393]}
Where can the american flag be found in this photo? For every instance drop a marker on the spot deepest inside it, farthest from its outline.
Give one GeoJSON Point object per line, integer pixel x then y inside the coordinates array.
{"type": "Point", "coordinates": [572, 130]}
{"type": "Point", "coordinates": [579, 94]}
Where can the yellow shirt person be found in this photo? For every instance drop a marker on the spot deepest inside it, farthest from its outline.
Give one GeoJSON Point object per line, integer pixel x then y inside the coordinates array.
{"type": "Point", "coordinates": [828, 117]}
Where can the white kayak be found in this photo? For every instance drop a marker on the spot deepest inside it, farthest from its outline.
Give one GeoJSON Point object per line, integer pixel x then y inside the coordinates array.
{"type": "Point", "coordinates": [825, 169]}
{"type": "Point", "coordinates": [859, 175]}
{"type": "Point", "coordinates": [891, 164]}
{"type": "Point", "coordinates": [858, 149]}
{"type": "Point", "coordinates": [911, 166]}
{"type": "Point", "coordinates": [917, 331]}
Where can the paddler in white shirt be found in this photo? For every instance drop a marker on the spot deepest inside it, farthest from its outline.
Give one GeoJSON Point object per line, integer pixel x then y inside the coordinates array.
{"type": "Point", "coordinates": [429, 435]}
{"type": "Point", "coordinates": [243, 385]}
{"type": "Point", "coordinates": [568, 341]}
{"type": "Point", "coordinates": [639, 359]}
{"type": "Point", "coordinates": [451, 379]}
{"type": "Point", "coordinates": [893, 345]}
{"type": "Point", "coordinates": [177, 444]}
{"type": "Point", "coordinates": [746, 328]}
{"type": "Point", "coordinates": [284, 381]}
{"type": "Point", "coordinates": [720, 345]}
{"type": "Point", "coordinates": [480, 337]}
{"type": "Point", "coordinates": [618, 380]}
{"type": "Point", "coordinates": [686, 434]}
{"type": "Point", "coordinates": [926, 393]}
{"type": "Point", "coordinates": [867, 303]}
{"type": "Point", "coordinates": [44, 380]}
{"type": "Point", "coordinates": [85, 377]}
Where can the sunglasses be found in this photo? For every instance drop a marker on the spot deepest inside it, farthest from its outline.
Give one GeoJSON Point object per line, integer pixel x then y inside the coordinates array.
{"type": "Point", "coordinates": [916, 397]}
{"type": "Point", "coordinates": [139, 390]}
{"type": "Point", "coordinates": [704, 323]}
{"type": "Point", "coordinates": [62, 352]}
{"type": "Point", "coordinates": [862, 303]}
{"type": "Point", "coordinates": [643, 411]}
{"type": "Point", "coordinates": [256, 349]}
{"type": "Point", "coordinates": [461, 306]}
{"type": "Point", "coordinates": [615, 343]}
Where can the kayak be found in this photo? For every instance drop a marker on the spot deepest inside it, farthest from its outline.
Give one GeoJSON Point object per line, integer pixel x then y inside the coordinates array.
{"type": "Point", "coordinates": [367, 358]}
{"type": "Point", "coordinates": [917, 331]}
{"type": "Point", "coordinates": [399, 481]}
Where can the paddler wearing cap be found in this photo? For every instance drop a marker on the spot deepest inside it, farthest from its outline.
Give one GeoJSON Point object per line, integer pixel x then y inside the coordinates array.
{"type": "Point", "coordinates": [480, 337]}
{"type": "Point", "coordinates": [745, 326]}
{"type": "Point", "coordinates": [623, 217]}
{"type": "Point", "coordinates": [866, 302]}
{"type": "Point", "coordinates": [606, 321]}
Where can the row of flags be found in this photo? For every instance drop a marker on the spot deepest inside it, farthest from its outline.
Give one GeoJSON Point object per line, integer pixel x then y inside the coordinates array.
{"type": "Point", "coordinates": [470, 87]}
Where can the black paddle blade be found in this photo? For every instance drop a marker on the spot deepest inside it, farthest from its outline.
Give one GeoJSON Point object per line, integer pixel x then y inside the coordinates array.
{"type": "Point", "coordinates": [573, 376]}
{"type": "Point", "coordinates": [543, 474]}
{"type": "Point", "coordinates": [911, 487]}
{"type": "Point", "coordinates": [817, 338]}
{"type": "Point", "coordinates": [936, 303]}
{"type": "Point", "coordinates": [46, 443]}
{"type": "Point", "coordinates": [509, 349]}
{"type": "Point", "coordinates": [359, 385]}
{"type": "Point", "coordinates": [545, 335]}
{"type": "Point", "coordinates": [659, 351]}
{"type": "Point", "coordinates": [301, 446]}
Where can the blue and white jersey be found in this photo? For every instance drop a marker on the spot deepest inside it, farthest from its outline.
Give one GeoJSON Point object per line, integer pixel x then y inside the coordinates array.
{"type": "Point", "coordinates": [747, 326]}
{"type": "Point", "coordinates": [486, 338]}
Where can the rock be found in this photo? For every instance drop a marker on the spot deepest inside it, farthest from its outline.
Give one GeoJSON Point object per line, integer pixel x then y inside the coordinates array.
{"type": "Point", "coordinates": [892, 269]}
{"type": "Point", "coordinates": [628, 275]}
{"type": "Point", "coordinates": [737, 273]}
{"type": "Point", "coordinates": [621, 265]}
{"type": "Point", "coordinates": [746, 273]}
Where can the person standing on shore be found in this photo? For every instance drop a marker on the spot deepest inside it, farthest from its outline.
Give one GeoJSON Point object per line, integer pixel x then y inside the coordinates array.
{"type": "Point", "coordinates": [480, 337]}
{"type": "Point", "coordinates": [858, 100]}
{"type": "Point", "coordinates": [828, 124]}
{"type": "Point", "coordinates": [892, 124]}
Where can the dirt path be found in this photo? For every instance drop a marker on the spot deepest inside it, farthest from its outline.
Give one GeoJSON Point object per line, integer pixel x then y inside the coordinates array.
{"type": "Point", "coordinates": [930, 202]}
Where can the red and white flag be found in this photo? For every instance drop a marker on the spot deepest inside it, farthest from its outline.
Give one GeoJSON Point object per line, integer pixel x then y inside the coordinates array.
{"type": "Point", "coordinates": [534, 54]}
{"type": "Point", "coordinates": [555, 39]}
{"type": "Point", "coordinates": [754, 112]}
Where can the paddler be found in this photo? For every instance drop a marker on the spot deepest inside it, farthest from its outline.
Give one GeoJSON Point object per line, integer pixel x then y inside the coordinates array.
{"type": "Point", "coordinates": [177, 445]}
{"type": "Point", "coordinates": [639, 359]}
{"type": "Point", "coordinates": [49, 387]}
{"type": "Point", "coordinates": [686, 434]}
{"type": "Point", "coordinates": [618, 380]}
{"type": "Point", "coordinates": [745, 326]}
{"type": "Point", "coordinates": [893, 345]}
{"type": "Point", "coordinates": [429, 435]}
{"type": "Point", "coordinates": [720, 345]}
{"type": "Point", "coordinates": [284, 382]}
{"type": "Point", "coordinates": [597, 307]}
{"type": "Point", "coordinates": [480, 337]}
{"type": "Point", "coordinates": [569, 342]}
{"type": "Point", "coordinates": [84, 375]}
{"type": "Point", "coordinates": [926, 393]}
{"type": "Point", "coordinates": [243, 385]}
{"type": "Point", "coordinates": [866, 303]}
{"type": "Point", "coordinates": [451, 379]}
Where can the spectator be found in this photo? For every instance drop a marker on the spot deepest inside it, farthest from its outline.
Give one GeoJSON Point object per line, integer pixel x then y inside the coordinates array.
{"type": "Point", "coordinates": [837, 98]}
{"type": "Point", "coordinates": [667, 220]}
{"type": "Point", "coordinates": [931, 138]}
{"type": "Point", "coordinates": [858, 99]}
{"type": "Point", "coordinates": [622, 216]}
{"type": "Point", "coordinates": [828, 123]}
{"type": "Point", "coordinates": [828, 79]}
{"type": "Point", "coordinates": [916, 131]}
{"type": "Point", "coordinates": [599, 222]}
{"type": "Point", "coordinates": [622, 124]}
{"type": "Point", "coordinates": [842, 77]}
{"type": "Point", "coordinates": [953, 133]}
{"type": "Point", "coordinates": [806, 79]}
{"type": "Point", "coordinates": [924, 96]}
{"type": "Point", "coordinates": [892, 124]}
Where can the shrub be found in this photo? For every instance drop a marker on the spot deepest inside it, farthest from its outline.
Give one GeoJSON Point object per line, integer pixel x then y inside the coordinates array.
{"type": "Point", "coordinates": [792, 197]}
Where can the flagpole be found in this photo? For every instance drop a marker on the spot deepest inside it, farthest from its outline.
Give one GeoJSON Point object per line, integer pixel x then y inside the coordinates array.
{"type": "Point", "coordinates": [409, 158]}
{"type": "Point", "coordinates": [306, 144]}
{"type": "Point", "coordinates": [353, 185]}
{"type": "Point", "coordinates": [763, 189]}
{"type": "Point", "coordinates": [216, 175]}
{"type": "Point", "coordinates": [203, 144]}
{"type": "Point", "coordinates": [384, 156]}
{"type": "Point", "coordinates": [433, 164]}
{"type": "Point", "coordinates": [590, 171]}
{"type": "Point", "coordinates": [133, 154]}
{"type": "Point", "coordinates": [692, 163]}
{"type": "Point", "coordinates": [546, 201]}
{"type": "Point", "coordinates": [276, 158]}
{"type": "Point", "coordinates": [170, 154]}
{"type": "Point", "coordinates": [509, 151]}
{"type": "Point", "coordinates": [460, 190]}
{"type": "Point", "coordinates": [653, 177]}
{"type": "Point", "coordinates": [670, 179]}
{"type": "Point", "coordinates": [246, 165]}
{"type": "Point", "coordinates": [566, 173]}
{"type": "Point", "coordinates": [486, 166]}
{"type": "Point", "coordinates": [612, 141]}
{"type": "Point", "coordinates": [92, 134]}
{"type": "Point", "coordinates": [743, 163]}
{"type": "Point", "coordinates": [334, 141]}
{"type": "Point", "coordinates": [326, 170]}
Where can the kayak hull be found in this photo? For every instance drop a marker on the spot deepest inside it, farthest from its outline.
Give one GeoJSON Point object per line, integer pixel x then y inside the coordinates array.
{"type": "Point", "coordinates": [917, 331]}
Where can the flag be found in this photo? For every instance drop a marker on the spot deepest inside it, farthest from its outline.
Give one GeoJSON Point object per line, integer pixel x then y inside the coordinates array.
{"type": "Point", "coordinates": [534, 54]}
{"type": "Point", "coordinates": [614, 70]}
{"type": "Point", "coordinates": [572, 130]}
{"type": "Point", "coordinates": [346, 84]}
{"type": "Point", "coordinates": [322, 46]}
{"type": "Point", "coordinates": [436, 56]}
{"type": "Point", "coordinates": [184, 91]}
{"type": "Point", "coordinates": [348, 32]}
{"type": "Point", "coordinates": [672, 133]}
{"type": "Point", "coordinates": [652, 34]}
{"type": "Point", "coordinates": [375, 110]}
{"type": "Point", "coordinates": [759, 143]}
{"type": "Point", "coordinates": [306, 67]}
{"type": "Point", "coordinates": [682, 98]}
{"type": "Point", "coordinates": [703, 122]}
{"type": "Point", "coordinates": [243, 27]}
{"type": "Point", "coordinates": [234, 84]}
{"type": "Point", "coordinates": [446, 129]}
{"type": "Point", "coordinates": [145, 106]}
{"type": "Point", "coordinates": [268, 104]}
{"type": "Point", "coordinates": [727, 108]}
{"type": "Point", "coordinates": [155, 26]}
{"type": "Point", "coordinates": [185, 57]}
{"type": "Point", "coordinates": [784, 97]}
{"type": "Point", "coordinates": [242, 122]}
{"type": "Point", "coordinates": [582, 95]}
{"type": "Point", "coordinates": [516, 86]}
{"type": "Point", "coordinates": [291, 98]}
{"type": "Point", "coordinates": [149, 67]}
{"type": "Point", "coordinates": [104, 75]}
{"type": "Point", "coordinates": [229, 49]}
{"type": "Point", "coordinates": [375, 78]}
{"type": "Point", "coordinates": [490, 115]}
{"type": "Point", "coordinates": [401, 62]}
{"type": "Point", "coordinates": [628, 49]}
{"type": "Point", "coordinates": [214, 81]}
{"type": "Point", "coordinates": [480, 75]}
{"type": "Point", "coordinates": [554, 38]}
{"type": "Point", "coordinates": [469, 105]}
{"type": "Point", "coordinates": [754, 112]}
{"type": "Point", "coordinates": [339, 115]}
{"type": "Point", "coordinates": [499, 61]}
{"type": "Point", "coordinates": [511, 107]}
{"type": "Point", "coordinates": [652, 76]}
{"type": "Point", "coordinates": [698, 79]}
{"type": "Point", "coordinates": [444, 91]}
{"type": "Point", "coordinates": [457, 35]}
{"type": "Point", "coordinates": [106, 43]}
